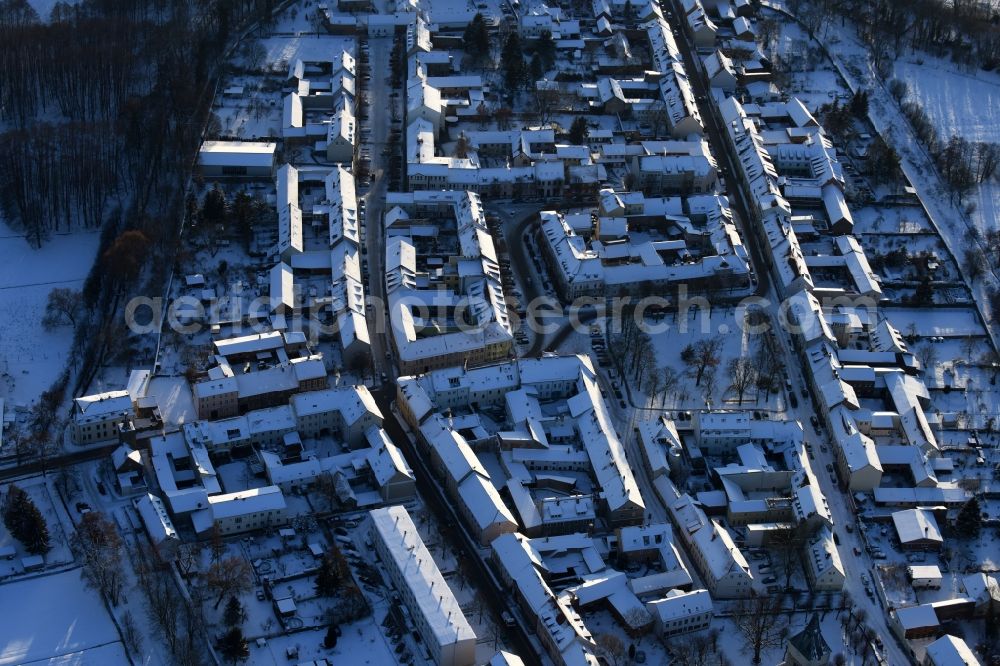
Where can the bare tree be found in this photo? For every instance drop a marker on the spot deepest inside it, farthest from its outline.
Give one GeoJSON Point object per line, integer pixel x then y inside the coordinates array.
{"type": "Point", "coordinates": [229, 576]}
{"type": "Point", "coordinates": [99, 547]}
{"type": "Point", "coordinates": [742, 375]}
{"type": "Point", "coordinates": [610, 647]}
{"type": "Point", "coordinates": [702, 355]}
{"type": "Point", "coordinates": [710, 383]}
{"type": "Point", "coordinates": [131, 635]}
{"type": "Point", "coordinates": [653, 384]}
{"type": "Point", "coordinates": [327, 489]}
{"type": "Point", "coordinates": [759, 621]}
{"type": "Point", "coordinates": [669, 378]}
{"type": "Point", "coordinates": [188, 557]}
{"type": "Point", "coordinates": [63, 307]}
{"type": "Point", "coordinates": [927, 355]}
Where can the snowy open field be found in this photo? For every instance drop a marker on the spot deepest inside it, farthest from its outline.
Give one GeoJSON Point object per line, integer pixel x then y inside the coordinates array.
{"type": "Point", "coordinates": [963, 103]}
{"type": "Point", "coordinates": [76, 628]}
{"type": "Point", "coordinates": [31, 356]}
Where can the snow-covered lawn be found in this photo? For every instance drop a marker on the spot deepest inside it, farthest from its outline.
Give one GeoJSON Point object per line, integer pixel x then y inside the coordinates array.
{"type": "Point", "coordinates": [360, 643]}
{"type": "Point", "coordinates": [947, 322]}
{"type": "Point", "coordinates": [30, 357]}
{"type": "Point", "coordinates": [672, 334]}
{"type": "Point", "coordinates": [55, 616]}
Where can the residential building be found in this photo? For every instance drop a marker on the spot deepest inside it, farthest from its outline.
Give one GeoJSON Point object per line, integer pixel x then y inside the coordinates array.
{"type": "Point", "coordinates": [435, 612]}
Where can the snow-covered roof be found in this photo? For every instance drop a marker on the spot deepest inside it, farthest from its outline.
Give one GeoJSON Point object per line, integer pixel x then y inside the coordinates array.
{"type": "Point", "coordinates": [103, 404]}
{"type": "Point", "coordinates": [237, 153]}
{"type": "Point", "coordinates": [156, 518]}
{"type": "Point", "coordinates": [678, 605]}
{"type": "Point", "coordinates": [916, 525]}
{"type": "Point", "coordinates": [429, 593]}
{"type": "Point", "coordinates": [245, 502]}
{"type": "Point", "coordinates": [951, 651]}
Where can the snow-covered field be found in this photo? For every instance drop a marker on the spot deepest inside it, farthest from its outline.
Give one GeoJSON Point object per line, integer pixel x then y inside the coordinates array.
{"type": "Point", "coordinates": [963, 103]}
{"type": "Point", "coordinates": [966, 103]}
{"type": "Point", "coordinates": [30, 357]}
{"type": "Point", "coordinates": [56, 618]}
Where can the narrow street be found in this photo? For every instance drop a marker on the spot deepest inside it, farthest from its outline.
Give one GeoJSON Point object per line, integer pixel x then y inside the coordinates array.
{"type": "Point", "coordinates": [380, 50]}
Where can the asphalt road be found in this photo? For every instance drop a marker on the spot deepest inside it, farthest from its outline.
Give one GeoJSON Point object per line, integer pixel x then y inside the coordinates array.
{"type": "Point", "coordinates": [55, 462]}
{"type": "Point", "coordinates": [380, 50]}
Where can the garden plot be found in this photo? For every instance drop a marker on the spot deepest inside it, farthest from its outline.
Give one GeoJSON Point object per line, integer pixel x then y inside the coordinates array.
{"type": "Point", "coordinates": [360, 643]}
{"type": "Point", "coordinates": [75, 622]}
{"type": "Point", "coordinates": [896, 219]}
{"type": "Point", "coordinates": [46, 499]}
{"type": "Point", "coordinates": [952, 322]}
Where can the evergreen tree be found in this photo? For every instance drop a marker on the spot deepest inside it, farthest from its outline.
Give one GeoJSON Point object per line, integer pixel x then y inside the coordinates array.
{"type": "Point", "coordinates": [545, 48]}
{"type": "Point", "coordinates": [476, 40]}
{"type": "Point", "coordinates": [512, 58]}
{"type": "Point", "coordinates": [25, 522]}
{"type": "Point", "coordinates": [578, 130]}
{"type": "Point", "coordinates": [233, 646]}
{"type": "Point", "coordinates": [213, 208]}
{"type": "Point", "coordinates": [233, 615]}
{"type": "Point", "coordinates": [969, 522]}
{"type": "Point", "coordinates": [328, 579]}
{"type": "Point", "coordinates": [924, 293]}
{"type": "Point", "coordinates": [536, 67]}
{"type": "Point", "coordinates": [859, 103]}
{"type": "Point", "coordinates": [332, 633]}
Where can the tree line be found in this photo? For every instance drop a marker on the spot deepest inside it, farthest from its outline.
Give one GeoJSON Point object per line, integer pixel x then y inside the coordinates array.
{"type": "Point", "coordinates": [963, 30]}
